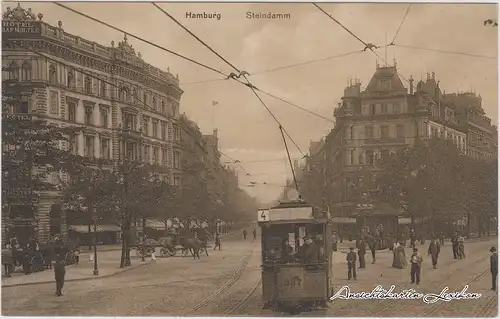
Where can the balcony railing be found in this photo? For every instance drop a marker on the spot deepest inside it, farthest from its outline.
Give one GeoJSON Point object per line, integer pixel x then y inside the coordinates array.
{"type": "Point", "coordinates": [385, 140]}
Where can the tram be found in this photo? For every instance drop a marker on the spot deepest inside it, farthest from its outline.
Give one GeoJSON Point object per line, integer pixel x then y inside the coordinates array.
{"type": "Point", "coordinates": [296, 257]}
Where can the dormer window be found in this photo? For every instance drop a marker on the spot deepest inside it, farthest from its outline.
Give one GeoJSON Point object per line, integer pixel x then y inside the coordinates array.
{"type": "Point", "coordinates": [385, 85]}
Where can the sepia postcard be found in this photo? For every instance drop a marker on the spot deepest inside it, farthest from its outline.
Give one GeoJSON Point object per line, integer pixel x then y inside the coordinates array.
{"type": "Point", "coordinates": [249, 159]}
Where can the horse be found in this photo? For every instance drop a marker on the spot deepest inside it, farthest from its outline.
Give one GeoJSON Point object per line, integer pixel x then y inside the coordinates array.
{"type": "Point", "coordinates": [194, 245]}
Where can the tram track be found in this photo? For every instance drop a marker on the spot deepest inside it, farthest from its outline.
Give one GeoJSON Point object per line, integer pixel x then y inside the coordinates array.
{"type": "Point", "coordinates": [488, 309]}
{"type": "Point", "coordinates": [390, 303]}
{"type": "Point", "coordinates": [220, 290]}
{"type": "Point", "coordinates": [238, 306]}
{"type": "Point", "coordinates": [434, 308]}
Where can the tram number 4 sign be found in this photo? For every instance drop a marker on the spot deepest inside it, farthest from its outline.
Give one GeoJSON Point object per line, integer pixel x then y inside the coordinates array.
{"type": "Point", "coordinates": [263, 216]}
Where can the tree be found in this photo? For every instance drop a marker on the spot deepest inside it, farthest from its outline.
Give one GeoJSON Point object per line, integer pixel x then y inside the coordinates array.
{"type": "Point", "coordinates": [426, 177]}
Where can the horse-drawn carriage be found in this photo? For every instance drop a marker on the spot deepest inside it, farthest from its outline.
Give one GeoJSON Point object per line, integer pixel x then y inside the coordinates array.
{"type": "Point", "coordinates": [35, 260]}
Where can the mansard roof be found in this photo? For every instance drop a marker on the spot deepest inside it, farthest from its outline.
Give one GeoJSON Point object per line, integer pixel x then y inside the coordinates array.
{"type": "Point", "coordinates": [385, 73]}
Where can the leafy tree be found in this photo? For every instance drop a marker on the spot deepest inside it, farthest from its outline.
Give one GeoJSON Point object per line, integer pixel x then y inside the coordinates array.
{"type": "Point", "coordinates": [427, 177]}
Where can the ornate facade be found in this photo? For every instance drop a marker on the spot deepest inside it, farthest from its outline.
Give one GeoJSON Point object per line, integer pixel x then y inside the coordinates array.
{"type": "Point", "coordinates": [128, 108]}
{"type": "Point", "coordinates": [383, 119]}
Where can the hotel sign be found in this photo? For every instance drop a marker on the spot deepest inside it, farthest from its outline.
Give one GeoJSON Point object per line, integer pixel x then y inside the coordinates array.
{"type": "Point", "coordinates": [28, 27]}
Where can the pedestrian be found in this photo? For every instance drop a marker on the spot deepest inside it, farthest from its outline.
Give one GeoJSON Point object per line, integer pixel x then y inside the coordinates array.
{"type": "Point", "coordinates": [461, 247]}
{"type": "Point", "coordinates": [60, 273]}
{"type": "Point", "coordinates": [412, 238]}
{"type": "Point", "coordinates": [362, 253]}
{"type": "Point", "coordinates": [334, 242]}
{"type": "Point", "coordinates": [434, 250]}
{"type": "Point", "coordinates": [373, 246]}
{"type": "Point", "coordinates": [153, 256]}
{"type": "Point", "coordinates": [494, 267]}
{"type": "Point", "coordinates": [416, 265]}
{"type": "Point", "coordinates": [217, 241]}
{"type": "Point", "coordinates": [76, 253]}
{"type": "Point", "coordinates": [244, 234]}
{"type": "Point", "coordinates": [454, 245]}
{"type": "Point", "coordinates": [351, 264]}
{"type": "Point", "coordinates": [254, 234]}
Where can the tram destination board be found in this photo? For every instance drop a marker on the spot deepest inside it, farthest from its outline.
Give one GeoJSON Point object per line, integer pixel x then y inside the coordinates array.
{"type": "Point", "coordinates": [284, 214]}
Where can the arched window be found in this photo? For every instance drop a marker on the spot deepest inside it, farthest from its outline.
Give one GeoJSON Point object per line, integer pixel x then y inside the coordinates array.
{"type": "Point", "coordinates": [52, 74]}
{"type": "Point", "coordinates": [87, 84]}
{"type": "Point", "coordinates": [71, 80]}
{"type": "Point", "coordinates": [26, 72]}
{"type": "Point", "coordinates": [123, 93]}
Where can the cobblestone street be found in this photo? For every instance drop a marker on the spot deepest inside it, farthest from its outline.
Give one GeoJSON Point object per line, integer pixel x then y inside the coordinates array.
{"type": "Point", "coordinates": [228, 283]}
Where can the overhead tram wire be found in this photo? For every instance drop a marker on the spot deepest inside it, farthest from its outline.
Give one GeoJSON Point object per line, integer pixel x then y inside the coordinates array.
{"type": "Point", "coordinates": [443, 51]}
{"type": "Point", "coordinates": [235, 162]}
{"type": "Point", "coordinates": [196, 37]}
{"type": "Point", "coordinates": [235, 77]}
{"type": "Point", "coordinates": [368, 46]}
{"type": "Point", "coordinates": [284, 67]}
{"type": "Point", "coordinates": [401, 24]}
{"type": "Point", "coordinates": [226, 76]}
{"type": "Point", "coordinates": [141, 39]}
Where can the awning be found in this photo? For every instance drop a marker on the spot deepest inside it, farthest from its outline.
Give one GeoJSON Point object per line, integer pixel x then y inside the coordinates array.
{"type": "Point", "coordinates": [84, 229]}
{"type": "Point", "coordinates": [343, 220]}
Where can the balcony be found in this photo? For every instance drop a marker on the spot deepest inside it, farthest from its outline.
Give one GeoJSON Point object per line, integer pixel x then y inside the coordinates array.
{"type": "Point", "coordinates": [385, 140]}
{"type": "Point", "coordinates": [131, 133]}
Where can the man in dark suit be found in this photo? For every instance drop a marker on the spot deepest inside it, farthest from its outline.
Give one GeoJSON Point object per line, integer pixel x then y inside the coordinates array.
{"type": "Point", "coordinates": [362, 252]}
{"type": "Point", "coordinates": [494, 267]}
{"type": "Point", "coordinates": [59, 272]}
{"type": "Point", "coordinates": [351, 264]}
{"type": "Point", "coordinates": [434, 250]}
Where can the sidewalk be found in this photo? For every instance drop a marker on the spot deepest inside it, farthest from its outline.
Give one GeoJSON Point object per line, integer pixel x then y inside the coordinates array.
{"type": "Point", "coordinates": [108, 264]}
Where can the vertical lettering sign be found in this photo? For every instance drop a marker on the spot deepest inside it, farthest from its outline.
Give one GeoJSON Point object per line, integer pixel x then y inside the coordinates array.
{"type": "Point", "coordinates": [27, 27]}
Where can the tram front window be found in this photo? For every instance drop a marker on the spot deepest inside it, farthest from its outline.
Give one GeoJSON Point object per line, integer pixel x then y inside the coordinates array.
{"type": "Point", "coordinates": [292, 243]}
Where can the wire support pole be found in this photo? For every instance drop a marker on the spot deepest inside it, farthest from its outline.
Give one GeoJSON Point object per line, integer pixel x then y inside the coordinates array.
{"type": "Point", "coordinates": [289, 160]}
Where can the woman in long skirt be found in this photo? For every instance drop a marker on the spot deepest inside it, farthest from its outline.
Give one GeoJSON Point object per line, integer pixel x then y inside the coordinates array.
{"type": "Point", "coordinates": [401, 257]}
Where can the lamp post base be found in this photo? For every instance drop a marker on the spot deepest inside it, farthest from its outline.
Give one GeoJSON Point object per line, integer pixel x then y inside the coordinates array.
{"type": "Point", "coordinates": [96, 272]}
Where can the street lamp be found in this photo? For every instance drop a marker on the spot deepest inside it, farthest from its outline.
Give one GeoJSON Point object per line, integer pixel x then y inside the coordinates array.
{"type": "Point", "coordinates": [96, 269]}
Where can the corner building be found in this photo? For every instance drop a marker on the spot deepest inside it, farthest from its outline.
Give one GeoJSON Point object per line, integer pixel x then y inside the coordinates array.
{"type": "Point", "coordinates": [371, 124]}
{"type": "Point", "coordinates": [129, 109]}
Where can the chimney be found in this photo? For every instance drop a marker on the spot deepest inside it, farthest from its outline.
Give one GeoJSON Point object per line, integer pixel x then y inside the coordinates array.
{"type": "Point", "coordinates": [411, 84]}
{"type": "Point", "coordinates": [438, 96]}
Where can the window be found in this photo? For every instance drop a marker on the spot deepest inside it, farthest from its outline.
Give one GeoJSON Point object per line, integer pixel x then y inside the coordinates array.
{"type": "Point", "coordinates": [385, 85]}
{"type": "Point", "coordinates": [177, 159]}
{"type": "Point", "coordinates": [105, 148]}
{"type": "Point", "coordinates": [52, 74]}
{"type": "Point", "coordinates": [369, 131]}
{"type": "Point", "coordinates": [134, 96]}
{"type": "Point", "coordinates": [88, 115]}
{"type": "Point", "coordinates": [145, 98]}
{"type": "Point", "coordinates": [130, 151]}
{"type": "Point", "coordinates": [121, 93]}
{"type": "Point", "coordinates": [145, 126]}
{"type": "Point", "coordinates": [169, 158]}
{"type": "Point", "coordinates": [177, 181]}
{"type": "Point", "coordinates": [372, 109]}
{"type": "Point", "coordinates": [361, 160]}
{"type": "Point", "coordinates": [396, 108]}
{"type": "Point", "coordinates": [13, 71]}
{"type": "Point", "coordinates": [351, 159]}
{"type": "Point", "coordinates": [102, 88]}
{"type": "Point", "coordinates": [155, 106]}
{"type": "Point", "coordinates": [74, 144]}
{"type": "Point", "coordinates": [384, 131]}
{"type": "Point", "coordinates": [400, 131]}
{"type": "Point", "coordinates": [129, 122]}
{"type": "Point", "coordinates": [87, 84]}
{"type": "Point", "coordinates": [351, 132]}
{"type": "Point", "coordinates": [72, 112]}
{"type": "Point", "coordinates": [89, 146]}
{"type": "Point", "coordinates": [163, 131]}
{"type": "Point", "coordinates": [163, 111]}
{"type": "Point", "coordinates": [147, 157]}
{"type": "Point", "coordinates": [170, 132]}
{"type": "Point", "coordinates": [384, 155]}
{"type": "Point", "coordinates": [26, 72]}
{"type": "Point", "coordinates": [156, 159]}
{"type": "Point", "coordinates": [384, 108]}
{"type": "Point", "coordinates": [71, 80]}
{"type": "Point", "coordinates": [164, 157]}
{"type": "Point", "coordinates": [369, 157]}
{"type": "Point", "coordinates": [177, 133]}
{"type": "Point", "coordinates": [104, 117]}
{"type": "Point", "coordinates": [155, 128]}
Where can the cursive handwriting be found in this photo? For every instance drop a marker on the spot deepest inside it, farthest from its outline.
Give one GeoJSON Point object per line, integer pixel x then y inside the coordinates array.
{"type": "Point", "coordinates": [444, 295]}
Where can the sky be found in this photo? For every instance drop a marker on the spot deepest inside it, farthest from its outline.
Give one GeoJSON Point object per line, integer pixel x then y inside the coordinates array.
{"type": "Point", "coordinates": [246, 130]}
